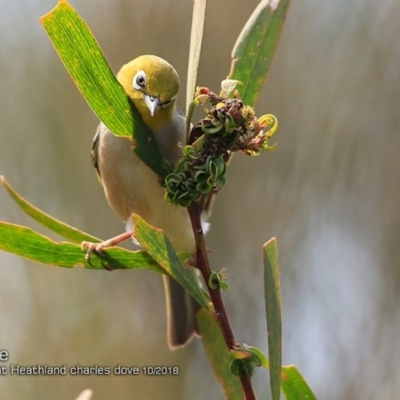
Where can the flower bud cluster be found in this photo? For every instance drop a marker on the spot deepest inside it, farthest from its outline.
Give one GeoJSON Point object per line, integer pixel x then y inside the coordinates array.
{"type": "Point", "coordinates": [229, 126]}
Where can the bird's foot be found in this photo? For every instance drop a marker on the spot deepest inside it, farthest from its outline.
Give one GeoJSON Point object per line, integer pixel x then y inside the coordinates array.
{"type": "Point", "coordinates": [99, 247]}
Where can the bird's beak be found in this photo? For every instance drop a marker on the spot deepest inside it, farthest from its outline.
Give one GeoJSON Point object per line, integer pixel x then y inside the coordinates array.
{"type": "Point", "coordinates": [152, 103]}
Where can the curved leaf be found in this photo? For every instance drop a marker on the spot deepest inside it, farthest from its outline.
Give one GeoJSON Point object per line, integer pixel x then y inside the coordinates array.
{"type": "Point", "coordinates": [64, 230]}
{"type": "Point", "coordinates": [85, 62]}
{"type": "Point", "coordinates": [156, 243]}
{"type": "Point", "coordinates": [255, 47]}
{"type": "Point", "coordinates": [294, 385]}
{"type": "Point", "coordinates": [218, 354]}
{"type": "Point", "coordinates": [27, 243]}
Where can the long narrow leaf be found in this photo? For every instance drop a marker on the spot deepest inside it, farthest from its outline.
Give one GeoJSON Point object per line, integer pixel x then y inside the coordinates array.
{"type": "Point", "coordinates": [27, 243]}
{"type": "Point", "coordinates": [85, 62]}
{"type": "Point", "coordinates": [218, 354]}
{"type": "Point", "coordinates": [294, 385]}
{"type": "Point", "coordinates": [64, 230]}
{"type": "Point", "coordinates": [274, 318]}
{"type": "Point", "coordinates": [157, 244]}
{"type": "Point", "coordinates": [196, 41]}
{"type": "Point", "coordinates": [255, 47]}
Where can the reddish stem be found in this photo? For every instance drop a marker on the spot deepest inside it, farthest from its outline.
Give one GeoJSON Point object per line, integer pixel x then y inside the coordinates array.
{"type": "Point", "coordinates": [215, 294]}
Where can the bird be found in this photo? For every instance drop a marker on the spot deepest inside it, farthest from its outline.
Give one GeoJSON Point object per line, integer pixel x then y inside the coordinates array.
{"type": "Point", "coordinates": [131, 186]}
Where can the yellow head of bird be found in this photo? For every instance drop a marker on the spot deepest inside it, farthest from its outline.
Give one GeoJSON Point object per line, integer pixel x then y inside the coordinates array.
{"type": "Point", "coordinates": [152, 84]}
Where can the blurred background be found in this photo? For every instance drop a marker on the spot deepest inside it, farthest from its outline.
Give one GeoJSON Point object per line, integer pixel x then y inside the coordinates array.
{"type": "Point", "coordinates": [330, 194]}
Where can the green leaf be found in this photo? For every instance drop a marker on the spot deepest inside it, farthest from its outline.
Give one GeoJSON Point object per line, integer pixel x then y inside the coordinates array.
{"type": "Point", "coordinates": [294, 385]}
{"type": "Point", "coordinates": [85, 62]}
{"type": "Point", "coordinates": [157, 244]}
{"type": "Point", "coordinates": [218, 354]}
{"type": "Point", "coordinates": [64, 230]}
{"type": "Point", "coordinates": [258, 356]}
{"type": "Point", "coordinates": [27, 243]}
{"type": "Point", "coordinates": [196, 41]}
{"type": "Point", "coordinates": [255, 47]}
{"type": "Point", "coordinates": [274, 318]}
{"type": "Point", "coordinates": [148, 151]}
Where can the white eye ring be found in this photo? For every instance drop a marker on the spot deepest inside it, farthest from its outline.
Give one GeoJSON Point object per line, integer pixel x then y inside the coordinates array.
{"type": "Point", "coordinates": [139, 80]}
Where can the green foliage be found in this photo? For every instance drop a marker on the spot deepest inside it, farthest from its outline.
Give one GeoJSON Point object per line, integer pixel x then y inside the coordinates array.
{"type": "Point", "coordinates": [218, 354]}
{"type": "Point", "coordinates": [245, 360]}
{"type": "Point", "coordinates": [294, 385]}
{"type": "Point", "coordinates": [216, 280]}
{"type": "Point", "coordinates": [255, 47]}
{"type": "Point", "coordinates": [25, 242]}
{"type": "Point", "coordinates": [89, 69]}
{"type": "Point", "coordinates": [55, 225]}
{"type": "Point", "coordinates": [160, 248]}
{"type": "Point", "coordinates": [196, 41]}
{"type": "Point", "coordinates": [274, 314]}
{"type": "Point", "coordinates": [193, 178]}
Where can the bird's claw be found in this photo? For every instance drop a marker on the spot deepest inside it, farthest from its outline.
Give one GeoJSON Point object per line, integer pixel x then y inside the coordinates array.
{"type": "Point", "coordinates": [97, 248]}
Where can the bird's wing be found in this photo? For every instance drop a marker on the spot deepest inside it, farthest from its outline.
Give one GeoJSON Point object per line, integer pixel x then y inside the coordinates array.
{"type": "Point", "coordinates": [95, 151]}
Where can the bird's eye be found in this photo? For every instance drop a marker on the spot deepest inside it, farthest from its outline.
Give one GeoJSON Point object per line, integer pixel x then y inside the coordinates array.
{"type": "Point", "coordinates": [139, 80]}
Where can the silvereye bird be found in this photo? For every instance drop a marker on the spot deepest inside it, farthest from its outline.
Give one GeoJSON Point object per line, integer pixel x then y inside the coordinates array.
{"type": "Point", "coordinates": [132, 187]}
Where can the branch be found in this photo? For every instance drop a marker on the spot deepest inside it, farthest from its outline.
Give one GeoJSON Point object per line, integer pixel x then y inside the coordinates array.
{"type": "Point", "coordinates": [215, 294]}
